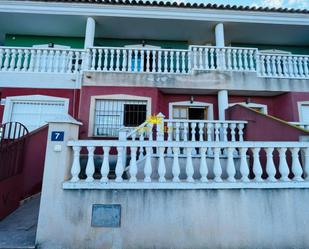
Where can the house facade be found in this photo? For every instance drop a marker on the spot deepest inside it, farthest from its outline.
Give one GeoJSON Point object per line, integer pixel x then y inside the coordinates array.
{"type": "Point", "coordinates": [170, 125]}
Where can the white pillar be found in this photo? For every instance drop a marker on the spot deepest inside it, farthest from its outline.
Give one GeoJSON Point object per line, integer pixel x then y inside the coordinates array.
{"type": "Point", "coordinates": [223, 103]}
{"type": "Point", "coordinates": [90, 32]}
{"type": "Point", "coordinates": [219, 33]}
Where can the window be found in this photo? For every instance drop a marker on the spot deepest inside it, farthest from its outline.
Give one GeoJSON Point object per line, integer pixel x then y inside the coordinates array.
{"type": "Point", "coordinates": [303, 109]}
{"type": "Point", "coordinates": [111, 115]}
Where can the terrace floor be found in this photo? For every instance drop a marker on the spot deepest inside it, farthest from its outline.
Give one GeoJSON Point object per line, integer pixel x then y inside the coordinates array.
{"type": "Point", "coordinates": [18, 230]}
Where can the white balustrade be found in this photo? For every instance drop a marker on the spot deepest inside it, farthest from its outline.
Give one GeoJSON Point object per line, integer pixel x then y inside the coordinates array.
{"type": "Point", "coordinates": [257, 162]}
{"type": "Point", "coordinates": [47, 60]}
{"type": "Point", "coordinates": [139, 60]}
{"type": "Point", "coordinates": [283, 66]}
{"type": "Point", "coordinates": [301, 125]}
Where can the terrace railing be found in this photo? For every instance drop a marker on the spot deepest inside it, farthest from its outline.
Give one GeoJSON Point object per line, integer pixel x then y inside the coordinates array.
{"type": "Point", "coordinates": [154, 60]}
{"type": "Point", "coordinates": [40, 60]}
{"type": "Point", "coordinates": [257, 164]}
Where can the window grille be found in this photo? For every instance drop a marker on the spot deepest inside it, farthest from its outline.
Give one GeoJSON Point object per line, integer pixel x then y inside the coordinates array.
{"type": "Point", "coordinates": [112, 115]}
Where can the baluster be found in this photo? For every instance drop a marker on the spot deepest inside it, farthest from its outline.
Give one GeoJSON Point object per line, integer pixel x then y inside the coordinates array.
{"type": "Point", "coordinates": [119, 166]}
{"type": "Point", "coordinates": [217, 165]}
{"type": "Point", "coordinates": [148, 166]}
{"type": "Point", "coordinates": [240, 132]}
{"type": "Point", "coordinates": [130, 61]}
{"type": "Point", "coordinates": [201, 131]}
{"type": "Point", "coordinates": [169, 135]}
{"type": "Point", "coordinates": [147, 61]}
{"type": "Point", "coordinates": [150, 132]}
{"type": "Point", "coordinates": [175, 167]}
{"type": "Point", "coordinates": [206, 59]}
{"type": "Point", "coordinates": [50, 61]}
{"type": "Point", "coordinates": [218, 58]}
{"type": "Point", "coordinates": [112, 60]}
{"type": "Point", "coordinates": [296, 166]}
{"type": "Point", "coordinates": [19, 59]}
{"type": "Point", "coordinates": [209, 137]}
{"type": "Point", "coordinates": [1, 57]}
{"type": "Point", "coordinates": [244, 168]}
{"type": "Point", "coordinates": [283, 165]}
{"type": "Point", "coordinates": [200, 51]}
{"type": "Point", "coordinates": [217, 132]}
{"type": "Point", "coordinates": [240, 58]}
{"type": "Point", "coordinates": [273, 65]}
{"type": "Point", "coordinates": [232, 127]}
{"type": "Point", "coordinates": [279, 68]}
{"type": "Point", "coordinates": [154, 61]}
{"type": "Point", "coordinates": [75, 170]}
{"type": "Point", "coordinates": [159, 61]}
{"type": "Point", "coordinates": [262, 65]}
{"type": "Point", "coordinates": [142, 56]}
{"type": "Point", "coordinates": [183, 62]}
{"type": "Point", "coordinates": [251, 62]}
{"type": "Point", "coordinates": [90, 164]}
{"type": "Point", "coordinates": [135, 69]}
{"type": "Point", "coordinates": [306, 164]}
{"type": "Point", "coordinates": [257, 168]}
{"type": "Point", "coordinates": [229, 61]}
{"type": "Point", "coordinates": [270, 166]}
{"type": "Point", "coordinates": [124, 61]}
{"type": "Point", "coordinates": [32, 60]}
{"type": "Point", "coordinates": [306, 67]}
{"type": "Point", "coordinates": [284, 66]}
{"type": "Point", "coordinates": [268, 65]}
{"type": "Point", "coordinates": [70, 62]}
{"type": "Point", "coordinates": [203, 165]}
{"type": "Point", "coordinates": [290, 66]}
{"type": "Point", "coordinates": [7, 59]}
{"type": "Point", "coordinates": [117, 60]}
{"type": "Point", "coordinates": [133, 165]}
{"type": "Point", "coordinates": [38, 60]}
{"type": "Point", "coordinates": [105, 164]}
{"type": "Point", "coordinates": [223, 62]}
{"type": "Point", "coordinates": [177, 132]}
{"type": "Point", "coordinates": [26, 61]}
{"type": "Point", "coordinates": [177, 61]}
{"type": "Point", "coordinates": [212, 59]}
{"type": "Point", "coordinates": [189, 166]}
{"type": "Point", "coordinates": [295, 69]}
{"type": "Point", "coordinates": [193, 131]}
{"type": "Point", "coordinates": [300, 66]}
{"type": "Point", "coordinates": [105, 62]}
{"type": "Point", "coordinates": [13, 60]}
{"type": "Point", "coordinates": [230, 168]}
{"type": "Point", "coordinates": [57, 60]}
{"type": "Point", "coordinates": [44, 61]}
{"type": "Point", "coordinates": [99, 66]}
{"type": "Point", "coordinates": [161, 167]}
{"type": "Point", "coordinates": [224, 128]}
{"type": "Point", "coordinates": [172, 67]}
{"type": "Point", "coordinates": [141, 148]}
{"type": "Point", "coordinates": [185, 131]}
{"type": "Point", "coordinates": [63, 61]}
{"type": "Point", "coordinates": [245, 56]}
{"type": "Point", "coordinates": [194, 59]}
{"type": "Point", "coordinates": [234, 53]}
{"type": "Point", "coordinates": [165, 61]}
{"type": "Point", "coordinates": [76, 64]}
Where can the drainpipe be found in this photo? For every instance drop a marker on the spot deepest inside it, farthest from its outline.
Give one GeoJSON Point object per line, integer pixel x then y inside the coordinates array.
{"type": "Point", "coordinates": [90, 32]}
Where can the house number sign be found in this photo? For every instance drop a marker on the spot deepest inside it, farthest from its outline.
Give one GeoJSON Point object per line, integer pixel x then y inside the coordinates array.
{"type": "Point", "coordinates": [57, 136]}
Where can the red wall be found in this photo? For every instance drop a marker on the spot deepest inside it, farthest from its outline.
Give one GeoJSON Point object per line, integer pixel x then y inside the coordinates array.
{"type": "Point", "coordinates": [71, 94]}
{"type": "Point", "coordinates": [262, 127]}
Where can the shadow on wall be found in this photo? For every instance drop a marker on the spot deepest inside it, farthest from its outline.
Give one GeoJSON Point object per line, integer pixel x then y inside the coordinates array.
{"type": "Point", "coordinates": [263, 127]}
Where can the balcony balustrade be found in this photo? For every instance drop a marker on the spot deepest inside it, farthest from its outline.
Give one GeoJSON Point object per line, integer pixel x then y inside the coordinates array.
{"type": "Point", "coordinates": [256, 164]}
{"type": "Point", "coordinates": [153, 60]}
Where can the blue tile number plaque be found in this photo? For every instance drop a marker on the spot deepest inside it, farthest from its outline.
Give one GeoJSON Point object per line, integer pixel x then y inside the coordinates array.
{"type": "Point", "coordinates": [106, 215]}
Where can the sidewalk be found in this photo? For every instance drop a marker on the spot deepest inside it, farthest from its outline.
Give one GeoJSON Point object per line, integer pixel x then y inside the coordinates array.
{"type": "Point", "coordinates": [18, 230]}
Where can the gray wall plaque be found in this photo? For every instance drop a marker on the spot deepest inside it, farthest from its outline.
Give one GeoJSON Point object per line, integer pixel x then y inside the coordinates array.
{"type": "Point", "coordinates": [106, 215]}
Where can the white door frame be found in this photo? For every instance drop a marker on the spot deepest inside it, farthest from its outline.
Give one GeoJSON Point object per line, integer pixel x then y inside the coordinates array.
{"type": "Point", "coordinates": [210, 114]}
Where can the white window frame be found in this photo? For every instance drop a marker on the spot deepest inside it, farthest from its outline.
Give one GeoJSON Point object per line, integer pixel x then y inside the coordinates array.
{"type": "Point", "coordinates": [252, 105]}
{"type": "Point", "coordinates": [9, 102]}
{"type": "Point", "coordinates": [113, 97]}
{"type": "Point", "coordinates": [299, 105]}
{"type": "Point", "coordinates": [210, 113]}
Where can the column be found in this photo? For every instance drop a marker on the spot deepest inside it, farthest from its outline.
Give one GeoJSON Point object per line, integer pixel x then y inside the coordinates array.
{"type": "Point", "coordinates": [223, 103]}
{"type": "Point", "coordinates": [90, 32]}
{"type": "Point", "coordinates": [219, 34]}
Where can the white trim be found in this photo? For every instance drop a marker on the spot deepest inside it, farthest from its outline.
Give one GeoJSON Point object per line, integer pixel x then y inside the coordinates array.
{"type": "Point", "coordinates": [299, 104]}
{"type": "Point", "coordinates": [252, 105]}
{"type": "Point", "coordinates": [9, 101]}
{"type": "Point", "coordinates": [112, 97]}
{"type": "Point", "coordinates": [210, 112]}
{"type": "Point", "coordinates": [155, 12]}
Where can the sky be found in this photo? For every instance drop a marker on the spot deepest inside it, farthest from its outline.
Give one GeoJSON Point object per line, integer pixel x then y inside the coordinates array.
{"type": "Point", "coordinates": [296, 4]}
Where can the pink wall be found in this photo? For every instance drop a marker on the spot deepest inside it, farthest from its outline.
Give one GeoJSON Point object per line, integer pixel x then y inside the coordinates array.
{"type": "Point", "coordinates": [270, 130]}
{"type": "Point", "coordinates": [71, 94]}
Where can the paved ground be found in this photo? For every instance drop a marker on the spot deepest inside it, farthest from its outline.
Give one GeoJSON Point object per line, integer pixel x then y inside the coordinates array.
{"type": "Point", "coordinates": [18, 230]}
